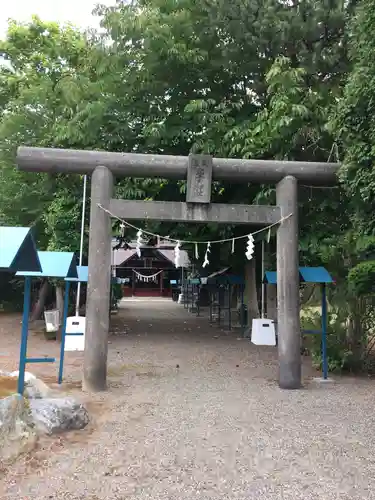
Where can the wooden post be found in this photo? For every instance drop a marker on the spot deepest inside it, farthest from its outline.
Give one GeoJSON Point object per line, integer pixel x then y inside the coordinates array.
{"type": "Point", "coordinates": [99, 283]}
{"type": "Point", "coordinates": [288, 322]}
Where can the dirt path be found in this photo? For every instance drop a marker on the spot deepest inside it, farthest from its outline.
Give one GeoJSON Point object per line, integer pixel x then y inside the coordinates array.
{"type": "Point", "coordinates": [193, 413]}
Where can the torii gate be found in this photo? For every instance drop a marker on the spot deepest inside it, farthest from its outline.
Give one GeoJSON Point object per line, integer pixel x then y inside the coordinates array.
{"type": "Point", "coordinates": [199, 170]}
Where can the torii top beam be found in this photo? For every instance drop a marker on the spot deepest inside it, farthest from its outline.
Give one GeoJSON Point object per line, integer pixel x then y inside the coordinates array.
{"type": "Point", "coordinates": [70, 161]}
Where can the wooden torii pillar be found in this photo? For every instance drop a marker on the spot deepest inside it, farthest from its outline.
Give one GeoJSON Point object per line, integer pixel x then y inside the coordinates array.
{"type": "Point", "coordinates": [199, 171]}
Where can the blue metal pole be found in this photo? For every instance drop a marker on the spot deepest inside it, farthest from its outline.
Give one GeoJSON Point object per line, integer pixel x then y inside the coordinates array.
{"type": "Point", "coordinates": [324, 332]}
{"type": "Point", "coordinates": [63, 331]}
{"type": "Point", "coordinates": [24, 333]}
{"type": "Point", "coordinates": [40, 360]}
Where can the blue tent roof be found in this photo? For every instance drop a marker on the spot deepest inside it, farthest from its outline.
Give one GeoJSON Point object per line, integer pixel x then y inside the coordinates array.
{"type": "Point", "coordinates": [270, 277]}
{"type": "Point", "coordinates": [83, 275]}
{"type": "Point", "coordinates": [307, 275]}
{"type": "Point", "coordinates": [233, 279]}
{"type": "Point", "coordinates": [315, 275]}
{"type": "Point", "coordinates": [55, 265]}
{"type": "Point", "coordinates": [17, 250]}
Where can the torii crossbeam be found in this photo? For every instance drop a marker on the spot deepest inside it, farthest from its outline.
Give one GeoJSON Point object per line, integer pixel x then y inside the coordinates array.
{"type": "Point", "coordinates": [199, 170]}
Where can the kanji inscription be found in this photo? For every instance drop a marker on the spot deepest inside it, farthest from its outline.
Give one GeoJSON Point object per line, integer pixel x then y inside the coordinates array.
{"type": "Point", "coordinates": [199, 177]}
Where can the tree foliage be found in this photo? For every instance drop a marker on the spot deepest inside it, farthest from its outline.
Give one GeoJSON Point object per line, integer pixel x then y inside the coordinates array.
{"type": "Point", "coordinates": [354, 119]}
{"type": "Point", "coordinates": [40, 86]}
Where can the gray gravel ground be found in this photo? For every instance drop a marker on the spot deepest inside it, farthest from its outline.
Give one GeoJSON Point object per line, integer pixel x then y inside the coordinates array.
{"type": "Point", "coordinates": [215, 427]}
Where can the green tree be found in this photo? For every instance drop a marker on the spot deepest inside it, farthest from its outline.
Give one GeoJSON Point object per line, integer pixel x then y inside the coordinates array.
{"type": "Point", "coordinates": [354, 122]}
{"type": "Point", "coordinates": [41, 84]}
{"type": "Point", "coordinates": [354, 126]}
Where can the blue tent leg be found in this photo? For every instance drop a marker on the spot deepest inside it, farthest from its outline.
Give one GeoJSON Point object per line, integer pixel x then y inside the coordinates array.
{"type": "Point", "coordinates": [63, 331]}
{"type": "Point", "coordinates": [324, 332]}
{"type": "Point", "coordinates": [24, 334]}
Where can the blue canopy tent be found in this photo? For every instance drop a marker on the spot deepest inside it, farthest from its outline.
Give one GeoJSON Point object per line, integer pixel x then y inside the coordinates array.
{"type": "Point", "coordinates": [53, 265]}
{"type": "Point", "coordinates": [18, 250]}
{"type": "Point", "coordinates": [314, 275]}
{"type": "Point", "coordinates": [18, 253]}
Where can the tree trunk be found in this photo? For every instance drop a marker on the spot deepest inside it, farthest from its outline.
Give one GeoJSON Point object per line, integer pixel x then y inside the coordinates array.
{"type": "Point", "coordinates": [60, 302]}
{"type": "Point", "coordinates": [251, 296]}
{"type": "Point", "coordinates": [355, 335]}
{"type": "Point", "coordinates": [39, 306]}
{"type": "Point", "coordinates": [271, 302]}
{"type": "Point", "coordinates": [309, 292]}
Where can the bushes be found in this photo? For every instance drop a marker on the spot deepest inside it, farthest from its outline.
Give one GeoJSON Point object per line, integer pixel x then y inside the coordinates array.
{"type": "Point", "coordinates": [116, 296]}
{"type": "Point", "coordinates": [340, 356]}
{"type": "Point", "coordinates": [11, 293]}
{"type": "Point", "coordinates": [362, 278]}
{"type": "Point", "coordinates": [117, 291]}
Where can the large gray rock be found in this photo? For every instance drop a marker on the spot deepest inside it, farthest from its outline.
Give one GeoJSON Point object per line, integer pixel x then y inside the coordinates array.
{"type": "Point", "coordinates": [17, 430]}
{"type": "Point", "coordinates": [54, 415]}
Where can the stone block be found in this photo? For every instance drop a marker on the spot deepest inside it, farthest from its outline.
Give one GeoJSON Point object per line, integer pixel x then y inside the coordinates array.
{"type": "Point", "coordinates": [199, 178]}
{"type": "Point", "coordinates": [56, 415]}
{"type": "Point", "coordinates": [17, 430]}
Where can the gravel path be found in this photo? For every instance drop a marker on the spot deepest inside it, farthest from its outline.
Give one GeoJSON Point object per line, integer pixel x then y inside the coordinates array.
{"type": "Point", "coordinates": [192, 416]}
